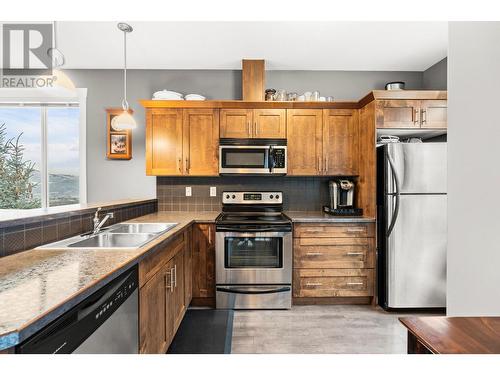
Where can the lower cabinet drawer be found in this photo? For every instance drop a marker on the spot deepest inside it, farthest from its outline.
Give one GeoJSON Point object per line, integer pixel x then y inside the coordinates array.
{"type": "Point", "coordinates": [342, 256]}
{"type": "Point", "coordinates": [333, 283]}
{"type": "Point", "coordinates": [335, 230]}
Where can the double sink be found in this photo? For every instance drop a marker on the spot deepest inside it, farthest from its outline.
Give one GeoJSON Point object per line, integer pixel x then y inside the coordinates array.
{"type": "Point", "coordinates": [118, 236]}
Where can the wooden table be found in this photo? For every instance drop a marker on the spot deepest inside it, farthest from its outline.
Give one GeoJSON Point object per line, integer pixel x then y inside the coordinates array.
{"type": "Point", "coordinates": [443, 335]}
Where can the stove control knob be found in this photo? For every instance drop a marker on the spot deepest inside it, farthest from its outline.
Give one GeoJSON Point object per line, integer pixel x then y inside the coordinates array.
{"type": "Point", "coordinates": [227, 196]}
{"type": "Point", "coordinates": [277, 196]}
{"type": "Point", "coordinates": [234, 196]}
{"type": "Point", "coordinates": [271, 196]}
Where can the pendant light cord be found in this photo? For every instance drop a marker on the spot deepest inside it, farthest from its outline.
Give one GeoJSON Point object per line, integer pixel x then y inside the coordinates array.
{"type": "Point", "coordinates": [125, 102]}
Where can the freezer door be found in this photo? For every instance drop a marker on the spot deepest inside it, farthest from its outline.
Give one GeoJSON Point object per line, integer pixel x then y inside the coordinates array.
{"type": "Point", "coordinates": [420, 168]}
{"type": "Point", "coordinates": [416, 253]}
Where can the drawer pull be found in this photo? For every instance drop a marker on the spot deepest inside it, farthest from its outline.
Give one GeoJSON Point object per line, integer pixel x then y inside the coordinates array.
{"type": "Point", "coordinates": [354, 283]}
{"type": "Point", "coordinates": [314, 253]}
{"type": "Point", "coordinates": [355, 230]}
{"type": "Point", "coordinates": [354, 254]}
{"type": "Point", "coordinates": [314, 284]}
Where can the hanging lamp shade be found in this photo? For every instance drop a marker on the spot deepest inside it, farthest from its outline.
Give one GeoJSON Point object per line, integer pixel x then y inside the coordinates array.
{"type": "Point", "coordinates": [61, 79]}
{"type": "Point", "coordinates": [124, 121]}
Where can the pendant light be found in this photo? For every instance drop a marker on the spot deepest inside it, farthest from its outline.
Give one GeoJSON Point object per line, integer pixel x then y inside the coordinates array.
{"type": "Point", "coordinates": [124, 120]}
{"type": "Point", "coordinates": [61, 79]}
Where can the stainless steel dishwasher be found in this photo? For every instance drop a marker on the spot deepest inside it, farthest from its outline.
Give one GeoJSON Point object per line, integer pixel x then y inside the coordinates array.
{"type": "Point", "coordinates": [106, 322]}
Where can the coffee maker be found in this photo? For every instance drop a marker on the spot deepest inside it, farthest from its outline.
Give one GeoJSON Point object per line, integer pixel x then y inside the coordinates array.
{"type": "Point", "coordinates": [342, 197]}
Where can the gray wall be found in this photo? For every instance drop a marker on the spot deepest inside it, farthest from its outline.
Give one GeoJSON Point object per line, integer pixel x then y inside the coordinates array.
{"type": "Point", "coordinates": [116, 179]}
{"type": "Point", "coordinates": [435, 77]}
{"type": "Point", "coordinates": [473, 224]}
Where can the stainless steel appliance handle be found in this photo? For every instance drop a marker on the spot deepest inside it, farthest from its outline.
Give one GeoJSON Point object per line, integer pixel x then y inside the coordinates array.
{"type": "Point", "coordinates": [253, 291]}
{"type": "Point", "coordinates": [271, 160]}
{"type": "Point", "coordinates": [396, 195]}
{"type": "Point", "coordinates": [259, 228]}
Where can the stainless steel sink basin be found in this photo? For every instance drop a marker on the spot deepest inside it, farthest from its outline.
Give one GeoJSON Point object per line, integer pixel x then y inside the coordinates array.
{"type": "Point", "coordinates": [118, 236]}
{"type": "Point", "coordinates": [115, 240]}
{"type": "Point", "coordinates": [142, 227]}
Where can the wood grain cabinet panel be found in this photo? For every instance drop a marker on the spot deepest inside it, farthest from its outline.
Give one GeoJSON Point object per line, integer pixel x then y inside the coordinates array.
{"type": "Point", "coordinates": [397, 114]}
{"type": "Point", "coordinates": [335, 230]}
{"type": "Point", "coordinates": [333, 283]}
{"type": "Point", "coordinates": [203, 261]}
{"type": "Point", "coordinates": [304, 140]}
{"type": "Point", "coordinates": [269, 123]}
{"type": "Point", "coordinates": [188, 268]}
{"type": "Point", "coordinates": [340, 141]}
{"type": "Point", "coordinates": [201, 142]}
{"type": "Point", "coordinates": [164, 142]}
{"type": "Point", "coordinates": [434, 114]}
{"type": "Point", "coordinates": [334, 256]}
{"type": "Point", "coordinates": [179, 305]}
{"type": "Point", "coordinates": [236, 123]}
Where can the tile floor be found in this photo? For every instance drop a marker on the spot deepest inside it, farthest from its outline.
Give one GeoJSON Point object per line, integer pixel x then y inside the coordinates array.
{"type": "Point", "coordinates": [318, 329]}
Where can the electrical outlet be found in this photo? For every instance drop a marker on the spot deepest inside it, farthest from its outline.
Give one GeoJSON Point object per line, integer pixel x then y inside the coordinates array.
{"type": "Point", "coordinates": [213, 191]}
{"type": "Point", "coordinates": [188, 191]}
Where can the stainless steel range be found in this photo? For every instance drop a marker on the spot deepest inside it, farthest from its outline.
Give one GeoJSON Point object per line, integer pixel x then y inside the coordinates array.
{"type": "Point", "coordinates": [253, 252]}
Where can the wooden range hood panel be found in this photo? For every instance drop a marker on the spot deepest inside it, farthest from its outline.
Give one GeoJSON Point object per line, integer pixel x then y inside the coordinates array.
{"type": "Point", "coordinates": [253, 76]}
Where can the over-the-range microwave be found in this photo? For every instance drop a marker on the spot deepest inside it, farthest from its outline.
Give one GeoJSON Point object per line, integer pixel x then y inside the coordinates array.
{"type": "Point", "coordinates": [252, 156]}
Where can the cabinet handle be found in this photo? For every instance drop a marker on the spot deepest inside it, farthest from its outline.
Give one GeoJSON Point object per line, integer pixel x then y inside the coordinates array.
{"type": "Point", "coordinates": [168, 277]}
{"type": "Point", "coordinates": [249, 127]}
{"type": "Point", "coordinates": [175, 275]}
{"type": "Point", "coordinates": [179, 164]}
{"type": "Point", "coordinates": [209, 235]}
{"type": "Point", "coordinates": [424, 116]}
{"type": "Point", "coordinates": [172, 279]}
{"type": "Point", "coordinates": [326, 164]}
{"type": "Point", "coordinates": [416, 119]}
{"type": "Point", "coordinates": [255, 128]}
{"type": "Point", "coordinates": [314, 284]}
{"type": "Point", "coordinates": [354, 254]}
{"type": "Point", "coordinates": [314, 253]}
{"type": "Point", "coordinates": [355, 230]}
{"type": "Point", "coordinates": [187, 165]}
{"type": "Point", "coordinates": [354, 283]}
{"type": "Point", "coordinates": [319, 164]}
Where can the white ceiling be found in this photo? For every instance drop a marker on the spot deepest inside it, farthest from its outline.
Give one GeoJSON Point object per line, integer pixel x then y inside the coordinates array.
{"type": "Point", "coordinates": [406, 46]}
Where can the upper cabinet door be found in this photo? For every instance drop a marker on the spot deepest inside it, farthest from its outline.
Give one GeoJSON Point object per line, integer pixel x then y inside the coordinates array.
{"type": "Point", "coordinates": [269, 123]}
{"type": "Point", "coordinates": [303, 131]}
{"type": "Point", "coordinates": [434, 114]}
{"type": "Point", "coordinates": [340, 141]}
{"type": "Point", "coordinates": [236, 123]}
{"type": "Point", "coordinates": [397, 114]}
{"type": "Point", "coordinates": [201, 141]}
{"type": "Point", "coordinates": [164, 142]}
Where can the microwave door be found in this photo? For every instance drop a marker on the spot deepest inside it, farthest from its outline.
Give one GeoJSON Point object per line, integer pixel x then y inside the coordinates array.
{"type": "Point", "coordinates": [244, 160]}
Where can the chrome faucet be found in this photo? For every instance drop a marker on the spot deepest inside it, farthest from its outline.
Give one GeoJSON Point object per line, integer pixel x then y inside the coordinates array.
{"type": "Point", "coordinates": [99, 223]}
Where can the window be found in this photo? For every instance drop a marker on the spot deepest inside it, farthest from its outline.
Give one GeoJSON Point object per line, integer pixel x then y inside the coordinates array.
{"type": "Point", "coordinates": [42, 156]}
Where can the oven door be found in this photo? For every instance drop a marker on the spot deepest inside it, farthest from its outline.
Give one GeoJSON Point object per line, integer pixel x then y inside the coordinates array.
{"type": "Point", "coordinates": [244, 160]}
{"type": "Point", "coordinates": [249, 258]}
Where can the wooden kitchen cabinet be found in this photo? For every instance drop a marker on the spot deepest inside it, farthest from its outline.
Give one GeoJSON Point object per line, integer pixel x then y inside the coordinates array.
{"type": "Point", "coordinates": [162, 295]}
{"type": "Point", "coordinates": [182, 142]}
{"type": "Point", "coordinates": [188, 267]}
{"type": "Point", "coordinates": [201, 142]}
{"type": "Point", "coordinates": [334, 261]}
{"type": "Point", "coordinates": [340, 142]}
{"type": "Point", "coordinates": [164, 142]}
{"type": "Point", "coordinates": [269, 123]}
{"type": "Point", "coordinates": [414, 114]}
{"type": "Point", "coordinates": [434, 114]}
{"type": "Point", "coordinates": [304, 141]}
{"type": "Point", "coordinates": [204, 264]}
{"type": "Point", "coordinates": [236, 123]}
{"type": "Point", "coordinates": [253, 123]}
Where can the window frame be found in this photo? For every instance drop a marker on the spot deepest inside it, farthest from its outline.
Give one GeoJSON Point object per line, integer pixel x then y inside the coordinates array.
{"type": "Point", "coordinates": [47, 98]}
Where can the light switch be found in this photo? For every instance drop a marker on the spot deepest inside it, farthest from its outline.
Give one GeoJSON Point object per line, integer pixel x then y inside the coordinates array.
{"type": "Point", "coordinates": [213, 191]}
{"type": "Point", "coordinates": [188, 191]}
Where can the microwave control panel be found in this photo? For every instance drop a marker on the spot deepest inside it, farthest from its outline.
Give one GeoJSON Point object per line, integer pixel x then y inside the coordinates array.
{"type": "Point", "coordinates": [279, 157]}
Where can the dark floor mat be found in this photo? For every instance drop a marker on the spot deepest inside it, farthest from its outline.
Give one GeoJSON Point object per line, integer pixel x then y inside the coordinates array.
{"type": "Point", "coordinates": [206, 331]}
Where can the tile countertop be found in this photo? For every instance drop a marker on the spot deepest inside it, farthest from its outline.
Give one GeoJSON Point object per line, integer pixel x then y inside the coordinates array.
{"type": "Point", "coordinates": [37, 286]}
{"type": "Point", "coordinates": [321, 217]}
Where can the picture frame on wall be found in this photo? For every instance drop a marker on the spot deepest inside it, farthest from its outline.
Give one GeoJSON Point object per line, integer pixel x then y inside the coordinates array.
{"type": "Point", "coordinates": [119, 142]}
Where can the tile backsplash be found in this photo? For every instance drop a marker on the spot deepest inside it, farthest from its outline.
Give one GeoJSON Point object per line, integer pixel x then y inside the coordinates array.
{"type": "Point", "coordinates": [299, 193]}
{"type": "Point", "coordinates": [21, 237]}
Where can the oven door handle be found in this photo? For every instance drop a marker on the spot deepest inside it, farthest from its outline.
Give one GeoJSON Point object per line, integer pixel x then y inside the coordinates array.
{"type": "Point", "coordinates": [222, 228]}
{"type": "Point", "coordinates": [254, 291]}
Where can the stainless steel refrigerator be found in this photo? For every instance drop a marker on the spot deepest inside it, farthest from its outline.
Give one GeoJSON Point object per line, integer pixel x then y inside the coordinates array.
{"type": "Point", "coordinates": [411, 199]}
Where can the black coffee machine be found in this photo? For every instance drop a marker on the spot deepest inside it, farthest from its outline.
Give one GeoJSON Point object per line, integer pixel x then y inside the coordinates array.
{"type": "Point", "coordinates": [342, 197]}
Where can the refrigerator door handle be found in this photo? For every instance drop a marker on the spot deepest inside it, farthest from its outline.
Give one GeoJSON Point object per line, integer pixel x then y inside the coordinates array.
{"type": "Point", "coordinates": [396, 195]}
